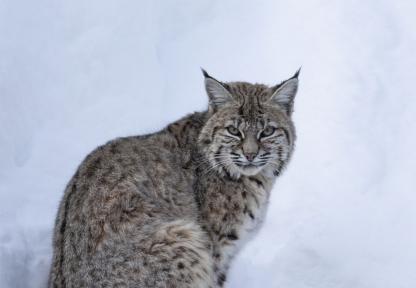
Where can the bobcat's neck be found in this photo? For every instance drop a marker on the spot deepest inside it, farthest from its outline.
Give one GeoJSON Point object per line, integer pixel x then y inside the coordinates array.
{"type": "Point", "coordinates": [186, 130]}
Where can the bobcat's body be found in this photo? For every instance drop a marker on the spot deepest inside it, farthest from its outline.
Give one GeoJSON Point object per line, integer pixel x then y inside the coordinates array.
{"type": "Point", "coordinates": [155, 211]}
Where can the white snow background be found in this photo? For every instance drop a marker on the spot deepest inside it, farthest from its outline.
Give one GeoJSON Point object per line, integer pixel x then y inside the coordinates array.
{"type": "Point", "coordinates": [75, 74]}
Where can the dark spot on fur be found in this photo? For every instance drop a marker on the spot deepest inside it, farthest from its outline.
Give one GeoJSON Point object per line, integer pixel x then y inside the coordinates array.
{"type": "Point", "coordinates": [257, 181]}
{"type": "Point", "coordinates": [166, 269]}
{"type": "Point", "coordinates": [221, 279]}
{"type": "Point", "coordinates": [168, 144]}
{"type": "Point", "coordinates": [103, 181]}
{"type": "Point", "coordinates": [146, 183]}
{"type": "Point", "coordinates": [232, 236]}
{"type": "Point", "coordinates": [113, 149]}
{"type": "Point", "coordinates": [244, 194]}
{"type": "Point", "coordinates": [228, 177]}
{"type": "Point", "coordinates": [248, 211]}
{"type": "Point", "coordinates": [236, 207]}
{"type": "Point", "coordinates": [181, 265]}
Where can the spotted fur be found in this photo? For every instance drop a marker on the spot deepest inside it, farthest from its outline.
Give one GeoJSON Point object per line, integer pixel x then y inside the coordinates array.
{"type": "Point", "coordinates": [171, 209]}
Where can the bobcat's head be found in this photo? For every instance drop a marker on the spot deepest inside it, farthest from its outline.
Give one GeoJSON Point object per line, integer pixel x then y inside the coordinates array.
{"type": "Point", "coordinates": [249, 129]}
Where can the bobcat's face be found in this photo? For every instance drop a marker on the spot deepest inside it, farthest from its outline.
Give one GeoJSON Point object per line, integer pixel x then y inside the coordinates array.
{"type": "Point", "coordinates": [250, 128]}
{"type": "Point", "coordinates": [246, 146]}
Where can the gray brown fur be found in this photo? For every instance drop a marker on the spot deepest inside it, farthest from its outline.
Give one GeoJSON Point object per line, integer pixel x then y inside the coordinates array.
{"type": "Point", "coordinates": [171, 209]}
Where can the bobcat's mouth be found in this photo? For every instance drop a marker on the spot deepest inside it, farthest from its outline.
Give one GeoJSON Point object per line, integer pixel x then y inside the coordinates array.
{"type": "Point", "coordinates": [250, 165]}
{"type": "Point", "coordinates": [249, 168]}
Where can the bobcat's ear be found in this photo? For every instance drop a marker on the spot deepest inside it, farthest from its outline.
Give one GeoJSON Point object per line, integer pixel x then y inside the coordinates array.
{"type": "Point", "coordinates": [284, 93]}
{"type": "Point", "coordinates": [217, 92]}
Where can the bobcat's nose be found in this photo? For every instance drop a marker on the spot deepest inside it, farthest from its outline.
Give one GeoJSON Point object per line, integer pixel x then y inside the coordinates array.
{"type": "Point", "coordinates": [250, 156]}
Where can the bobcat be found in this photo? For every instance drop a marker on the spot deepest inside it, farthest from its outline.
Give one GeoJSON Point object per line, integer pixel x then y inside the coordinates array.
{"type": "Point", "coordinates": [172, 208]}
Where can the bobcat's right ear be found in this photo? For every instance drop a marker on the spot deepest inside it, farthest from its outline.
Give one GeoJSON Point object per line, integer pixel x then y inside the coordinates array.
{"type": "Point", "coordinates": [285, 92]}
{"type": "Point", "coordinates": [217, 92]}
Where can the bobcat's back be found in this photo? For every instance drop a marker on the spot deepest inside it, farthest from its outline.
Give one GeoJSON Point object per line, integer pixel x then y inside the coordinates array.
{"type": "Point", "coordinates": [131, 206]}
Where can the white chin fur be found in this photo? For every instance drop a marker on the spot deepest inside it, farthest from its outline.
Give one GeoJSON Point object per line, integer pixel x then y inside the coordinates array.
{"type": "Point", "coordinates": [250, 171]}
{"type": "Point", "coordinates": [236, 172]}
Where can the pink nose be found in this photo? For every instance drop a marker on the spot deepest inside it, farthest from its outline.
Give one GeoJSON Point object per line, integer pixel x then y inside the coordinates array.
{"type": "Point", "coordinates": [250, 156]}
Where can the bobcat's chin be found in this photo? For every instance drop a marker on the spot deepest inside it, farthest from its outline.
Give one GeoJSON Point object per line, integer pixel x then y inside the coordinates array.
{"type": "Point", "coordinates": [236, 171]}
{"type": "Point", "coordinates": [251, 168]}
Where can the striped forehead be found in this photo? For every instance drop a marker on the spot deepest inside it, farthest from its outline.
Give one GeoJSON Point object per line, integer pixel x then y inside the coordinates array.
{"type": "Point", "coordinates": [250, 108]}
{"type": "Point", "coordinates": [249, 97]}
{"type": "Point", "coordinates": [250, 123]}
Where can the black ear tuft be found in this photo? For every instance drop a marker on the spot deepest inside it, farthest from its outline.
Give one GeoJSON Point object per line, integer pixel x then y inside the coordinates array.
{"type": "Point", "coordinates": [217, 91]}
{"type": "Point", "coordinates": [296, 76]}
{"type": "Point", "coordinates": [205, 73]}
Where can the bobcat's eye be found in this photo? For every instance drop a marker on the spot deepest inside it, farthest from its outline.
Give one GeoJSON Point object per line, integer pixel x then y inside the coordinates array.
{"type": "Point", "coordinates": [268, 131]}
{"type": "Point", "coordinates": [233, 131]}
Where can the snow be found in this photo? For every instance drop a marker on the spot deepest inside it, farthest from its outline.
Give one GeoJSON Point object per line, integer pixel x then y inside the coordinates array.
{"type": "Point", "coordinates": [74, 74]}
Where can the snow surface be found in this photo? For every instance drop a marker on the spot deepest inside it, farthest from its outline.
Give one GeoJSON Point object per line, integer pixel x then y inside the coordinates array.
{"type": "Point", "coordinates": [74, 74]}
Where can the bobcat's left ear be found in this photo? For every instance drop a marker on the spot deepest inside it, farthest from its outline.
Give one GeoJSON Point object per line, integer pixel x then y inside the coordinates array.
{"type": "Point", "coordinates": [284, 93]}
{"type": "Point", "coordinates": [217, 93]}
